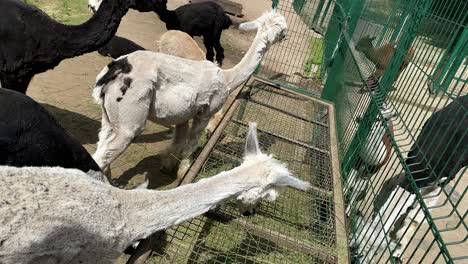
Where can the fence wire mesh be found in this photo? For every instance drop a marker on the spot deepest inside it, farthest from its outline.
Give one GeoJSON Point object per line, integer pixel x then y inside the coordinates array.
{"type": "Point", "coordinates": [299, 60]}
{"type": "Point", "coordinates": [297, 228]}
{"type": "Point", "coordinates": [401, 122]}
{"type": "Point", "coordinates": [401, 203]}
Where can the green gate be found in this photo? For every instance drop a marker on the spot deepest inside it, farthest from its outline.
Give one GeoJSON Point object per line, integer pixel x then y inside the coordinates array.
{"type": "Point", "coordinates": [396, 213]}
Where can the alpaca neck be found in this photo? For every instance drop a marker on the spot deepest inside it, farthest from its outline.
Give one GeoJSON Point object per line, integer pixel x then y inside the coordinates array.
{"type": "Point", "coordinates": [169, 17]}
{"type": "Point", "coordinates": [150, 211]}
{"type": "Point", "coordinates": [94, 33]}
{"type": "Point", "coordinates": [242, 71]}
{"type": "Point", "coordinates": [372, 54]}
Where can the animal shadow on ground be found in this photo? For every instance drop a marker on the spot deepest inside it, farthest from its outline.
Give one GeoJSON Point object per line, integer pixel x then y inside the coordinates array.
{"type": "Point", "coordinates": [83, 128]}
{"type": "Point", "coordinates": [154, 137]}
{"type": "Point", "coordinates": [86, 129]}
{"type": "Point", "coordinates": [149, 166]}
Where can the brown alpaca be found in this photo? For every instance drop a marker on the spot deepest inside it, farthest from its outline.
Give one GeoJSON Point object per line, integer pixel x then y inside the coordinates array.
{"type": "Point", "coordinates": [382, 55]}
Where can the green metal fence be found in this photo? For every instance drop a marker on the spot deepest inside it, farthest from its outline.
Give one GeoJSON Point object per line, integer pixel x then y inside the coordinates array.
{"type": "Point", "coordinates": [394, 150]}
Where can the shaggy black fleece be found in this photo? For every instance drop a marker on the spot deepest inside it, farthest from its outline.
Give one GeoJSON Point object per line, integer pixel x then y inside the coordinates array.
{"type": "Point", "coordinates": [206, 19]}
{"type": "Point", "coordinates": [31, 42]}
{"type": "Point", "coordinates": [119, 46]}
{"type": "Point", "coordinates": [30, 136]}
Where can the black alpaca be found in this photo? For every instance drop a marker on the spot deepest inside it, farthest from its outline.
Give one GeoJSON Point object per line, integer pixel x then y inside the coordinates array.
{"type": "Point", "coordinates": [440, 151]}
{"type": "Point", "coordinates": [31, 42]}
{"type": "Point", "coordinates": [30, 136]}
{"type": "Point", "coordinates": [139, 5]}
{"type": "Point", "coordinates": [119, 46]}
{"type": "Point", "coordinates": [205, 19]}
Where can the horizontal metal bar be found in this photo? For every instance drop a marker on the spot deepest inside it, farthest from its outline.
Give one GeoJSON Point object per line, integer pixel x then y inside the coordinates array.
{"type": "Point", "coordinates": [287, 113]}
{"type": "Point", "coordinates": [274, 236]}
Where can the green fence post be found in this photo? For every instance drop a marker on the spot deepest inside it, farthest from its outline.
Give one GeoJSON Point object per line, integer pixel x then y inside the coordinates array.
{"type": "Point", "coordinates": [348, 13]}
{"type": "Point", "coordinates": [453, 58]}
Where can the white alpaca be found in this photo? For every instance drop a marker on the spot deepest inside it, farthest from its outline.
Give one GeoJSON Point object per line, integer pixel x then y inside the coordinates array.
{"type": "Point", "coordinates": [56, 215]}
{"type": "Point", "coordinates": [372, 156]}
{"type": "Point", "coordinates": [171, 91]}
{"type": "Point", "coordinates": [181, 44]}
{"type": "Point", "coordinates": [392, 226]}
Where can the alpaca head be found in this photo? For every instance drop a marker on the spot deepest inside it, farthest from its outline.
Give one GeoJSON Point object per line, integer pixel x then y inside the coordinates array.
{"type": "Point", "coordinates": [271, 24]}
{"type": "Point", "coordinates": [271, 173]}
{"type": "Point", "coordinates": [365, 43]}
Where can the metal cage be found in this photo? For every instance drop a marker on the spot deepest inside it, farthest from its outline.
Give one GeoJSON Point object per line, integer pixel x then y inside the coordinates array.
{"type": "Point", "coordinates": [399, 121]}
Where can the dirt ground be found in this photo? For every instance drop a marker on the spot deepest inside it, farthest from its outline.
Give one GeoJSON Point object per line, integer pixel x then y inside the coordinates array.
{"type": "Point", "coordinates": [66, 92]}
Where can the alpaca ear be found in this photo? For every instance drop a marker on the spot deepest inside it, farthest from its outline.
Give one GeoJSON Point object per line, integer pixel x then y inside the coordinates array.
{"type": "Point", "coordinates": [249, 26]}
{"type": "Point", "coordinates": [293, 182]}
{"type": "Point", "coordinates": [251, 144]}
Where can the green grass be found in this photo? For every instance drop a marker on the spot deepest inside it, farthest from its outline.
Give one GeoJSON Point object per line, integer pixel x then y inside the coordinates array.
{"type": "Point", "coordinates": [316, 55]}
{"type": "Point", "coordinates": [71, 12]}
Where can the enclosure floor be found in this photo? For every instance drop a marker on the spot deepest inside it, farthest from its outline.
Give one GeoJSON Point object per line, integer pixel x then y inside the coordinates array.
{"type": "Point", "coordinates": [297, 228]}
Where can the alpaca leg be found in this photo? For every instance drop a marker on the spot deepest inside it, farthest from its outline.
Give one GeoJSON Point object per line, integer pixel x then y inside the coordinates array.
{"type": "Point", "coordinates": [111, 148]}
{"type": "Point", "coordinates": [122, 121]}
{"type": "Point", "coordinates": [104, 137]}
{"type": "Point", "coordinates": [219, 49]}
{"type": "Point", "coordinates": [172, 156]}
{"type": "Point", "coordinates": [207, 40]}
{"type": "Point", "coordinates": [198, 125]}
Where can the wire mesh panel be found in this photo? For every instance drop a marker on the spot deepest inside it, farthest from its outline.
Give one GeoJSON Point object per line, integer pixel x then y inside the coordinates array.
{"type": "Point", "coordinates": [300, 227]}
{"type": "Point", "coordinates": [399, 88]}
{"type": "Point", "coordinates": [298, 62]}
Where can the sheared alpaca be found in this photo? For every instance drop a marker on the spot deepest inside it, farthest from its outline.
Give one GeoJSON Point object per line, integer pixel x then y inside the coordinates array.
{"type": "Point", "coordinates": [180, 44]}
{"type": "Point", "coordinates": [56, 215]}
{"type": "Point", "coordinates": [381, 57]}
{"type": "Point", "coordinates": [374, 153]}
{"type": "Point", "coordinates": [31, 42]}
{"type": "Point", "coordinates": [172, 91]}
